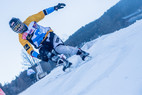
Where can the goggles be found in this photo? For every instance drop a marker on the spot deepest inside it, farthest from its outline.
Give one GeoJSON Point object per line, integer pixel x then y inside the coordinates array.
{"type": "Point", "coordinates": [17, 26]}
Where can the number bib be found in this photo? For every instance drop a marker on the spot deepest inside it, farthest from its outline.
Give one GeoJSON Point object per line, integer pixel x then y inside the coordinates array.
{"type": "Point", "coordinates": [35, 34]}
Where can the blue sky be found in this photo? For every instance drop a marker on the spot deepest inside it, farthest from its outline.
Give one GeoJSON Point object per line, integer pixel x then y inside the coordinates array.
{"type": "Point", "coordinates": [64, 22]}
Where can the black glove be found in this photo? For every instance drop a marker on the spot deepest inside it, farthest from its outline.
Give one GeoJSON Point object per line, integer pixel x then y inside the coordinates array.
{"type": "Point", "coordinates": [42, 57]}
{"type": "Point", "coordinates": [59, 6]}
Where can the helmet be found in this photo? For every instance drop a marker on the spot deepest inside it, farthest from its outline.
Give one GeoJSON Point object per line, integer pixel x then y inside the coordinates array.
{"type": "Point", "coordinates": [17, 26]}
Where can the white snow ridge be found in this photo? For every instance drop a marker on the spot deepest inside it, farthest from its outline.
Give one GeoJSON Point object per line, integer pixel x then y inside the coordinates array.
{"type": "Point", "coordinates": [115, 68]}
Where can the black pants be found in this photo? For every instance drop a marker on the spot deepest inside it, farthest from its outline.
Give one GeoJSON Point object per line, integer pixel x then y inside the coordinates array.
{"type": "Point", "coordinates": [47, 46]}
{"type": "Point", "coordinates": [56, 44]}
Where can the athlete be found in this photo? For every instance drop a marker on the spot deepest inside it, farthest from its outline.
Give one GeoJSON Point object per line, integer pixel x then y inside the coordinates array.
{"type": "Point", "coordinates": [42, 38]}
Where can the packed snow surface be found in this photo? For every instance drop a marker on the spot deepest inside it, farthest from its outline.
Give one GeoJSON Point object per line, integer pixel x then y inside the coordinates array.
{"type": "Point", "coordinates": [115, 68]}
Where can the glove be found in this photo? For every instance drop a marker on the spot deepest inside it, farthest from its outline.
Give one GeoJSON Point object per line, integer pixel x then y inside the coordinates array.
{"type": "Point", "coordinates": [44, 58]}
{"type": "Point", "coordinates": [59, 6]}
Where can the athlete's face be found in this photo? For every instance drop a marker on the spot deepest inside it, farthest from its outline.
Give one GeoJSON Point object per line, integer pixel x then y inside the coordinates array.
{"type": "Point", "coordinates": [18, 27]}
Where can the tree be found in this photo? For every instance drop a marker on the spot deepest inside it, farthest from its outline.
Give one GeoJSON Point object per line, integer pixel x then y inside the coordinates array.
{"type": "Point", "coordinates": [28, 60]}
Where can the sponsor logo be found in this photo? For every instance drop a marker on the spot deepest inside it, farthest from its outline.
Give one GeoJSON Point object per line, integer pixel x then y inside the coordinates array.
{"type": "Point", "coordinates": [26, 47]}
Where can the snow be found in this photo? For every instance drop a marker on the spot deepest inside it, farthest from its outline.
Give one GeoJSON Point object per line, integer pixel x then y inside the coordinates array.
{"type": "Point", "coordinates": [115, 68]}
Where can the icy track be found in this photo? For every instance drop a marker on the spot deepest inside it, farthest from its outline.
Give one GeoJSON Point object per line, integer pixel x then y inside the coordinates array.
{"type": "Point", "coordinates": [115, 69]}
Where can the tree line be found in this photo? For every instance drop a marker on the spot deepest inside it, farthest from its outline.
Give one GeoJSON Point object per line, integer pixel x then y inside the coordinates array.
{"type": "Point", "coordinates": [109, 22]}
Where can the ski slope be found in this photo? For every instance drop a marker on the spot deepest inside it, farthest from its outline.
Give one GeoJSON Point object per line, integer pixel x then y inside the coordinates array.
{"type": "Point", "coordinates": [115, 68]}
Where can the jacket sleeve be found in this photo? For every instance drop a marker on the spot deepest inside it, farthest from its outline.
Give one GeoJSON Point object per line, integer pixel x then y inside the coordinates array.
{"type": "Point", "coordinates": [39, 16]}
{"type": "Point", "coordinates": [36, 17]}
{"type": "Point", "coordinates": [27, 46]}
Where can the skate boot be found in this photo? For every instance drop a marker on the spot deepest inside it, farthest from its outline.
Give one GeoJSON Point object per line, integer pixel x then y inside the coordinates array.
{"type": "Point", "coordinates": [67, 65]}
{"type": "Point", "coordinates": [61, 60]}
{"type": "Point", "coordinates": [82, 54]}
